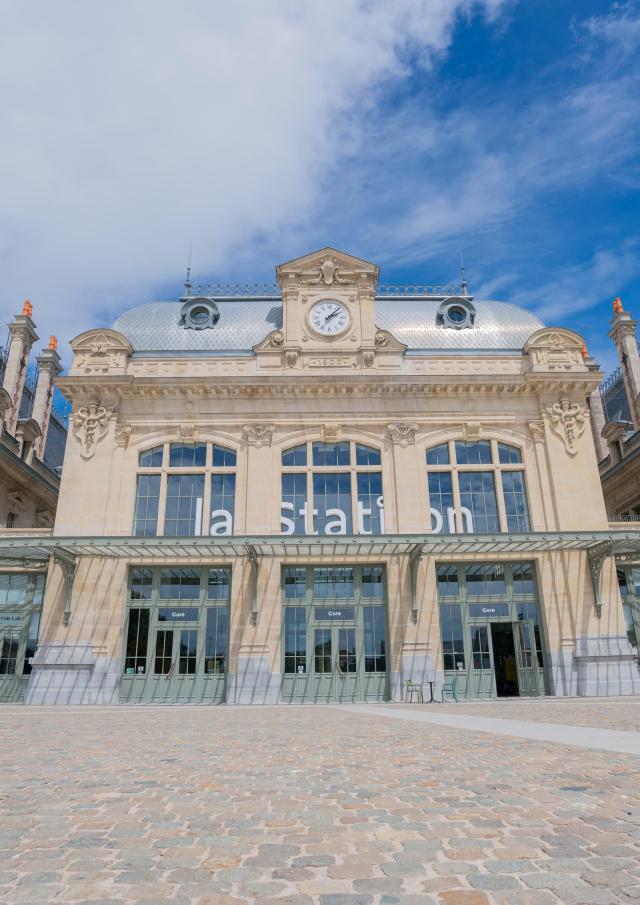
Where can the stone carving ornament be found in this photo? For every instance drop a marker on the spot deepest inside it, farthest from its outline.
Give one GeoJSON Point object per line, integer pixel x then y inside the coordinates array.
{"type": "Point", "coordinates": [90, 425]}
{"type": "Point", "coordinates": [471, 430]}
{"type": "Point", "coordinates": [402, 433]}
{"type": "Point", "coordinates": [327, 274]}
{"type": "Point", "coordinates": [123, 432]}
{"type": "Point", "coordinates": [567, 421]}
{"type": "Point", "coordinates": [258, 434]}
{"type": "Point", "coordinates": [537, 431]}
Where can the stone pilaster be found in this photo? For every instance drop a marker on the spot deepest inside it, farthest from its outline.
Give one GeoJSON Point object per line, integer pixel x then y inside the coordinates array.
{"type": "Point", "coordinates": [49, 366]}
{"type": "Point", "coordinates": [597, 423]}
{"type": "Point", "coordinates": [23, 334]}
{"type": "Point", "coordinates": [624, 334]}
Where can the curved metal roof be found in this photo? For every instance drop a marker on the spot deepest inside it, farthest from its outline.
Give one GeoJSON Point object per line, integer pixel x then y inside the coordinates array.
{"type": "Point", "coordinates": [244, 322]}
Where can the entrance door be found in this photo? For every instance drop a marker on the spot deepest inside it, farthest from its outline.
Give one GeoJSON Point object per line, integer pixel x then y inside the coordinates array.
{"type": "Point", "coordinates": [346, 664]}
{"type": "Point", "coordinates": [527, 658]}
{"type": "Point", "coordinates": [163, 666]}
{"type": "Point", "coordinates": [335, 664]}
{"type": "Point", "coordinates": [481, 679]}
{"type": "Point", "coordinates": [504, 659]}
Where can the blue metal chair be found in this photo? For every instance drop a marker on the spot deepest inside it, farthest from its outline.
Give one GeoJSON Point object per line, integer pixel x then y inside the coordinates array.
{"type": "Point", "coordinates": [450, 688]}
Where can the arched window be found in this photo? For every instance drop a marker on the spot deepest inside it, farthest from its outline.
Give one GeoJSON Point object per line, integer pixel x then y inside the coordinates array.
{"type": "Point", "coordinates": [185, 490]}
{"type": "Point", "coordinates": [476, 486]}
{"type": "Point", "coordinates": [332, 488]}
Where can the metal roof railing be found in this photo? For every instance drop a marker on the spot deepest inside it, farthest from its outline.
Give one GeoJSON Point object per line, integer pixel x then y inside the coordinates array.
{"type": "Point", "coordinates": [272, 290]}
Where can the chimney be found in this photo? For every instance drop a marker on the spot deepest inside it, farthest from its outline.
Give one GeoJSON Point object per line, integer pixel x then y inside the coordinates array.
{"type": "Point", "coordinates": [623, 333]}
{"type": "Point", "coordinates": [22, 335]}
{"type": "Point", "coordinates": [49, 367]}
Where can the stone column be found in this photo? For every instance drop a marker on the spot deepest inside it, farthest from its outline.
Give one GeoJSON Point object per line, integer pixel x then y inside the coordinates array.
{"type": "Point", "coordinates": [49, 366]}
{"type": "Point", "coordinates": [22, 336]}
{"type": "Point", "coordinates": [623, 333]}
{"type": "Point", "coordinates": [597, 423]}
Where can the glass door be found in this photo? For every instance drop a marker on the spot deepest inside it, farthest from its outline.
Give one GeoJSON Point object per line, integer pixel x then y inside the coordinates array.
{"type": "Point", "coordinates": [323, 679]}
{"type": "Point", "coordinates": [162, 666]}
{"type": "Point", "coordinates": [185, 679]}
{"type": "Point", "coordinates": [481, 676]}
{"type": "Point", "coordinates": [346, 664]}
{"type": "Point", "coordinates": [527, 658]}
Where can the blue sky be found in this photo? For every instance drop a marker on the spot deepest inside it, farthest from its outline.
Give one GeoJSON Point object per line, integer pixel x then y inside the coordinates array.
{"type": "Point", "coordinates": [405, 133]}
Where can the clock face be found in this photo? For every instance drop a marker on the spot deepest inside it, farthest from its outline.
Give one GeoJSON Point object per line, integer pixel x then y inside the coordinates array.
{"type": "Point", "coordinates": [329, 317]}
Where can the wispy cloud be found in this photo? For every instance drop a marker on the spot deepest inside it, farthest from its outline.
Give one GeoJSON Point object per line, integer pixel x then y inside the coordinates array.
{"type": "Point", "coordinates": [131, 128]}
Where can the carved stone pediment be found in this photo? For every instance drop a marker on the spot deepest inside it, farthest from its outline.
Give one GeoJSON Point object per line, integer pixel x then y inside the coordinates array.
{"type": "Point", "coordinates": [327, 268]}
{"type": "Point", "coordinates": [100, 351]}
{"type": "Point", "coordinates": [555, 349]}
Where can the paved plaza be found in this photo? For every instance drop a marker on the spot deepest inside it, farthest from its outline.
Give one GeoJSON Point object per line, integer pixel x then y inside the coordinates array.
{"type": "Point", "coordinates": [342, 805]}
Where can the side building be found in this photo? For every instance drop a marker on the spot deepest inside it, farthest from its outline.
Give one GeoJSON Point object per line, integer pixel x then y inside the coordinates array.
{"type": "Point", "coordinates": [32, 444]}
{"type": "Point", "coordinates": [324, 489]}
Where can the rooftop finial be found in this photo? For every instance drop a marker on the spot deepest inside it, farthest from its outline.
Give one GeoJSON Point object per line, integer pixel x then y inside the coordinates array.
{"type": "Point", "coordinates": [27, 308]}
{"type": "Point", "coordinates": [187, 282]}
{"type": "Point", "coordinates": [464, 286]}
{"type": "Point", "coordinates": [617, 306]}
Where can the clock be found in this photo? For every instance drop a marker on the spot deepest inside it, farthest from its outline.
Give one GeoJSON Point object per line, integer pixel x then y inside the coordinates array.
{"type": "Point", "coordinates": [329, 318]}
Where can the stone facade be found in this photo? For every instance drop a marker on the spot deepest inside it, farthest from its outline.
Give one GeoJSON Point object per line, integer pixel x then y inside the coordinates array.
{"type": "Point", "coordinates": [297, 386]}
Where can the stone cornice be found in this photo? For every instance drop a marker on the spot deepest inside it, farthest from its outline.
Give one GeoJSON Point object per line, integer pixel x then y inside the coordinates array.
{"type": "Point", "coordinates": [330, 385]}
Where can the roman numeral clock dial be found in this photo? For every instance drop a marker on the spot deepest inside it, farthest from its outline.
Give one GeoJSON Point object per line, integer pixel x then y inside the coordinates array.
{"type": "Point", "coordinates": [329, 318]}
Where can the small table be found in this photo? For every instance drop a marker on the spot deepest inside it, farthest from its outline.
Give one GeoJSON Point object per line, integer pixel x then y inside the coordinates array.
{"type": "Point", "coordinates": [416, 688]}
{"type": "Point", "coordinates": [430, 683]}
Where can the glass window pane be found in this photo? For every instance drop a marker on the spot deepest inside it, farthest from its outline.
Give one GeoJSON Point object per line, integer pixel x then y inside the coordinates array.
{"type": "Point", "coordinates": [367, 455]}
{"type": "Point", "coordinates": [141, 582]}
{"type": "Point", "coordinates": [151, 458]}
{"type": "Point", "coordinates": [326, 454]}
{"type": "Point", "coordinates": [370, 502]}
{"type": "Point", "coordinates": [347, 650]}
{"type": "Point", "coordinates": [484, 579]}
{"type": "Point", "coordinates": [295, 639]}
{"type": "Point", "coordinates": [135, 662]}
{"type": "Point", "coordinates": [473, 452]}
{"type": "Point", "coordinates": [295, 582]}
{"type": "Point", "coordinates": [9, 641]}
{"type": "Point", "coordinates": [186, 455]}
{"type": "Point", "coordinates": [452, 636]}
{"type": "Point", "coordinates": [188, 652]}
{"type": "Point", "coordinates": [218, 584]}
{"type": "Point", "coordinates": [223, 457]}
{"type": "Point", "coordinates": [441, 502]}
{"type": "Point", "coordinates": [16, 588]}
{"type": "Point", "coordinates": [333, 582]}
{"type": "Point", "coordinates": [38, 588]}
{"type": "Point", "coordinates": [294, 501]}
{"type": "Point", "coordinates": [180, 584]}
{"type": "Point", "coordinates": [146, 512]}
{"type": "Point", "coordinates": [438, 455]}
{"type": "Point", "coordinates": [478, 496]}
{"type": "Point", "coordinates": [223, 502]}
{"type": "Point", "coordinates": [622, 582]}
{"type": "Point", "coordinates": [372, 581]}
{"type": "Point", "coordinates": [509, 455]}
{"type": "Point", "coordinates": [185, 500]}
{"type": "Point", "coordinates": [296, 456]}
{"type": "Point", "coordinates": [375, 643]}
{"type": "Point", "coordinates": [164, 652]}
{"type": "Point", "coordinates": [447, 581]}
{"type": "Point", "coordinates": [332, 499]}
{"type": "Point", "coordinates": [522, 574]}
{"type": "Point", "coordinates": [480, 647]}
{"type": "Point", "coordinates": [322, 650]}
{"type": "Point", "coordinates": [515, 500]}
{"type": "Point", "coordinates": [215, 642]}
{"type": "Point", "coordinates": [32, 642]}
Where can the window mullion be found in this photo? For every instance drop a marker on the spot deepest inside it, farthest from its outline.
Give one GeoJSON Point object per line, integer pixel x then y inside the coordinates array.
{"type": "Point", "coordinates": [162, 502]}
{"type": "Point", "coordinates": [502, 509]}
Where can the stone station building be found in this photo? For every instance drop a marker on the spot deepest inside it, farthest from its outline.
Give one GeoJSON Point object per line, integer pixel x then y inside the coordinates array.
{"type": "Point", "coordinates": [322, 489]}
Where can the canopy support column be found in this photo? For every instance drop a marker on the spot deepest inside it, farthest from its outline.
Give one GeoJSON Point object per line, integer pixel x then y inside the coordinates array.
{"type": "Point", "coordinates": [415, 558]}
{"type": "Point", "coordinates": [68, 564]}
{"type": "Point", "coordinates": [255, 560]}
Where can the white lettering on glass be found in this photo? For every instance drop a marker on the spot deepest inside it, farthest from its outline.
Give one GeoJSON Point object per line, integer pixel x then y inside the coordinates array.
{"type": "Point", "coordinates": [339, 525]}
{"type": "Point", "coordinates": [221, 523]}
{"type": "Point", "coordinates": [197, 528]}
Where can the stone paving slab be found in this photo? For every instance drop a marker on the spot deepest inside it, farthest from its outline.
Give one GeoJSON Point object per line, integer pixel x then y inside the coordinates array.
{"type": "Point", "coordinates": [624, 742]}
{"type": "Point", "coordinates": [622, 713]}
{"type": "Point", "coordinates": [306, 806]}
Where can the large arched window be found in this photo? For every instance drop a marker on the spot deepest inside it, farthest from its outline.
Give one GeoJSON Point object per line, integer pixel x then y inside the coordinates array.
{"type": "Point", "coordinates": [185, 490]}
{"type": "Point", "coordinates": [332, 488]}
{"type": "Point", "coordinates": [476, 486]}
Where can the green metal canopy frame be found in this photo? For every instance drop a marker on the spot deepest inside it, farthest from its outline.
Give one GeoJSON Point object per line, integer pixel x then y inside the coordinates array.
{"type": "Point", "coordinates": [65, 551]}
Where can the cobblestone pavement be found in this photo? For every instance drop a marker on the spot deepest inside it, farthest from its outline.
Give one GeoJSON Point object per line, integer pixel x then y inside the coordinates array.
{"type": "Point", "coordinates": [302, 805]}
{"type": "Point", "coordinates": [601, 713]}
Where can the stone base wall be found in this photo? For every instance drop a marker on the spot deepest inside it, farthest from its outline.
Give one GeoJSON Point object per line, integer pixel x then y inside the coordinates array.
{"type": "Point", "coordinates": [254, 682]}
{"type": "Point", "coordinates": [72, 674]}
{"type": "Point", "coordinates": [596, 667]}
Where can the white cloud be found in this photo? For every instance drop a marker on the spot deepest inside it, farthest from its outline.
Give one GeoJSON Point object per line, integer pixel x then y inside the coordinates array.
{"type": "Point", "coordinates": [129, 128]}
